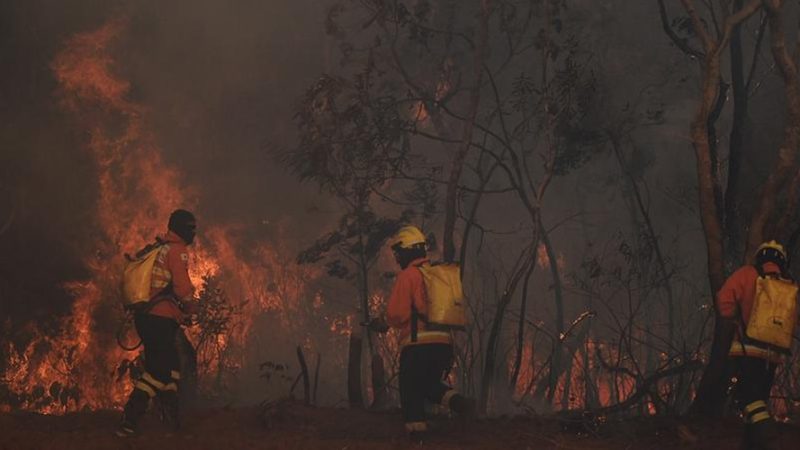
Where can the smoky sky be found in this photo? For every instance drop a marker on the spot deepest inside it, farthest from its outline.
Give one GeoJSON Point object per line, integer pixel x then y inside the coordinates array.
{"type": "Point", "coordinates": [220, 80]}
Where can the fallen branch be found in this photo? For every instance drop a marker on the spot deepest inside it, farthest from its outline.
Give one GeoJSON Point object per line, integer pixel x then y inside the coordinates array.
{"type": "Point", "coordinates": [644, 388]}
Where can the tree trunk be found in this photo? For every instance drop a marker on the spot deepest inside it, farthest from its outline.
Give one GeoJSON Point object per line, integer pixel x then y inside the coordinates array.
{"type": "Point", "coordinates": [712, 387]}
{"type": "Point", "coordinates": [778, 178]}
{"type": "Point", "coordinates": [527, 257]}
{"type": "Point", "coordinates": [731, 221]}
{"type": "Point", "coordinates": [466, 141]}
{"type": "Point", "coordinates": [521, 330]}
{"type": "Point", "coordinates": [365, 355]}
{"type": "Point", "coordinates": [301, 359]}
{"type": "Point", "coordinates": [555, 365]}
{"type": "Point", "coordinates": [378, 373]}
{"type": "Point", "coordinates": [354, 396]}
{"type": "Point", "coordinates": [711, 390]}
{"type": "Point", "coordinates": [651, 235]}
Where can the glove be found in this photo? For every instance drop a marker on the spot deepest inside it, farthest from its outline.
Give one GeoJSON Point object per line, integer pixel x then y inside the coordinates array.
{"type": "Point", "coordinates": [188, 320]}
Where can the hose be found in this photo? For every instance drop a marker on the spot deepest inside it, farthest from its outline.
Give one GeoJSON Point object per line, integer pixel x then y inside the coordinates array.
{"type": "Point", "coordinates": [122, 332]}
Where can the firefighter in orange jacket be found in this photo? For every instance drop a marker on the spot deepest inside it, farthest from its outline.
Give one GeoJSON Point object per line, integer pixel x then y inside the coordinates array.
{"type": "Point", "coordinates": [752, 363]}
{"type": "Point", "coordinates": [158, 323]}
{"type": "Point", "coordinates": [426, 354]}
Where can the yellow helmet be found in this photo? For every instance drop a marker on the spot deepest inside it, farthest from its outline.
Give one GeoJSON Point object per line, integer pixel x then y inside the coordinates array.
{"type": "Point", "coordinates": [408, 236]}
{"type": "Point", "coordinates": [773, 249]}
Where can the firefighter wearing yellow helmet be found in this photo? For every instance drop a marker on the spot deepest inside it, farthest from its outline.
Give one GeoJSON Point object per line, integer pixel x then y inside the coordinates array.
{"type": "Point", "coordinates": [426, 354]}
{"type": "Point", "coordinates": [761, 299]}
{"type": "Point", "coordinates": [408, 237]}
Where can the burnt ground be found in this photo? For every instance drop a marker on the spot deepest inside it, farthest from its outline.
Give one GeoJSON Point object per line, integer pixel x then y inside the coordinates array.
{"type": "Point", "coordinates": [299, 427]}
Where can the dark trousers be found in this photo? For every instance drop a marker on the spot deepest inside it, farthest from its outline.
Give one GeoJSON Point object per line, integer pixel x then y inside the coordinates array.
{"type": "Point", "coordinates": [422, 371]}
{"type": "Point", "coordinates": [754, 379]}
{"type": "Point", "coordinates": [162, 368]}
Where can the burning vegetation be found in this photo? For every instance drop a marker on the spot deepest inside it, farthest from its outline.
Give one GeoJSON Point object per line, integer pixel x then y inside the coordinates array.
{"type": "Point", "coordinates": [76, 364]}
{"type": "Point", "coordinates": [590, 261]}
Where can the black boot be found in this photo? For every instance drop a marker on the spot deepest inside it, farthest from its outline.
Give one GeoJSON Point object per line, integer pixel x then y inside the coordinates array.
{"type": "Point", "coordinates": [134, 410]}
{"type": "Point", "coordinates": [170, 414]}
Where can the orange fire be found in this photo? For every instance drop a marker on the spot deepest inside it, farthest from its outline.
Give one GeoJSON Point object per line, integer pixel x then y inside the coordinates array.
{"type": "Point", "coordinates": [543, 261]}
{"type": "Point", "coordinates": [73, 367]}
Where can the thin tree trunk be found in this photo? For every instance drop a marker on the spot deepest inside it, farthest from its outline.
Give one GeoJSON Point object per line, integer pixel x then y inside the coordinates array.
{"type": "Point", "coordinates": [301, 359]}
{"type": "Point", "coordinates": [555, 365]}
{"type": "Point", "coordinates": [354, 396]}
{"type": "Point", "coordinates": [652, 236]}
{"type": "Point", "coordinates": [711, 390]}
{"type": "Point", "coordinates": [521, 329]}
{"type": "Point", "coordinates": [378, 382]}
{"type": "Point", "coordinates": [784, 228]}
{"type": "Point", "coordinates": [365, 356]}
{"type": "Point", "coordinates": [457, 163]}
{"type": "Point", "coordinates": [787, 152]}
{"type": "Point", "coordinates": [473, 214]}
{"type": "Point", "coordinates": [731, 220]}
{"type": "Point", "coordinates": [527, 257]}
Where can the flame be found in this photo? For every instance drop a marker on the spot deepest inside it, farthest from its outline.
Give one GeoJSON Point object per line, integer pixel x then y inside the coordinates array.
{"type": "Point", "coordinates": [543, 261]}
{"type": "Point", "coordinates": [73, 367]}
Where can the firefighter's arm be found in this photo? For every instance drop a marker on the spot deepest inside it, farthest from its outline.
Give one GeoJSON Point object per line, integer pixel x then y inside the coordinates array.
{"type": "Point", "coordinates": [398, 312]}
{"type": "Point", "coordinates": [730, 295]}
{"type": "Point", "coordinates": [178, 265]}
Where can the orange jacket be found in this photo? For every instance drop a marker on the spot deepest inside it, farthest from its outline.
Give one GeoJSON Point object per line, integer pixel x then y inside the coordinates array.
{"type": "Point", "coordinates": [171, 280]}
{"type": "Point", "coordinates": [409, 289]}
{"type": "Point", "coordinates": [736, 297]}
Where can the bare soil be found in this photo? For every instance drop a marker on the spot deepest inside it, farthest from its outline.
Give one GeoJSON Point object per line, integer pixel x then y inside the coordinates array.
{"type": "Point", "coordinates": [295, 426]}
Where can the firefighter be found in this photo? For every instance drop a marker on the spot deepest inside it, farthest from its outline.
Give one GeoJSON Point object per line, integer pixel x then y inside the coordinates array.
{"type": "Point", "coordinates": [753, 362]}
{"type": "Point", "coordinates": [158, 322]}
{"type": "Point", "coordinates": [426, 352]}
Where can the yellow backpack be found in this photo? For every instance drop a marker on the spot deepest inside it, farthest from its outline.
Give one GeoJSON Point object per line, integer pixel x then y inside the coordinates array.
{"type": "Point", "coordinates": [138, 274]}
{"type": "Point", "coordinates": [774, 313]}
{"type": "Point", "coordinates": [446, 304]}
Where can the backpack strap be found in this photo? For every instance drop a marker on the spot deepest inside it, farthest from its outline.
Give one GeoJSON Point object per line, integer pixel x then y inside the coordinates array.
{"type": "Point", "coordinates": [413, 309]}
{"type": "Point", "coordinates": [147, 249]}
{"type": "Point", "coordinates": [415, 315]}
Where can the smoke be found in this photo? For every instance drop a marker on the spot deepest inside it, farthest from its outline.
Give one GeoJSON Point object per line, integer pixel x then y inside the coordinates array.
{"type": "Point", "coordinates": [218, 81]}
{"type": "Point", "coordinates": [185, 101]}
{"type": "Point", "coordinates": [221, 80]}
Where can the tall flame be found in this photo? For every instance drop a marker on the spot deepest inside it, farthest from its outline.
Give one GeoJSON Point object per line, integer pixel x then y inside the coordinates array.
{"type": "Point", "coordinates": [73, 367]}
